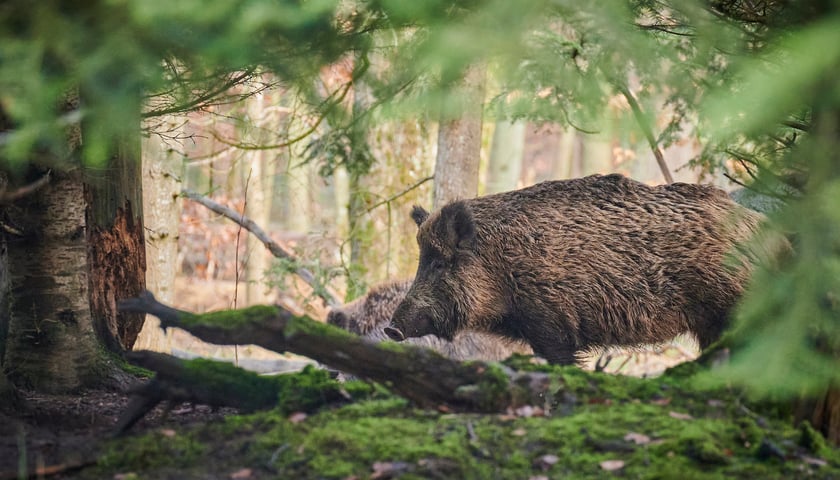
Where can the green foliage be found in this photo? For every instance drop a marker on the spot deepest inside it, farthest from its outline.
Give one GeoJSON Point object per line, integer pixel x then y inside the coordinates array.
{"type": "Point", "coordinates": [97, 62]}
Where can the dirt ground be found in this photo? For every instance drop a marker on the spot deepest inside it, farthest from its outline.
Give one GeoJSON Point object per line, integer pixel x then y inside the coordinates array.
{"type": "Point", "coordinates": [58, 434]}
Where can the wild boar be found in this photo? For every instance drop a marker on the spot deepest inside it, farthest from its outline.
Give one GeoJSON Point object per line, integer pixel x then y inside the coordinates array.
{"type": "Point", "coordinates": [574, 265]}
{"type": "Point", "coordinates": [366, 316]}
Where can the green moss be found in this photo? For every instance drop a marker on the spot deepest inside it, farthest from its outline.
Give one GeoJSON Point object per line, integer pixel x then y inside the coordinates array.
{"type": "Point", "coordinates": [231, 319]}
{"type": "Point", "coordinates": [297, 325]}
{"type": "Point", "coordinates": [814, 441]}
{"type": "Point", "coordinates": [660, 428]}
{"type": "Point", "coordinates": [155, 449]}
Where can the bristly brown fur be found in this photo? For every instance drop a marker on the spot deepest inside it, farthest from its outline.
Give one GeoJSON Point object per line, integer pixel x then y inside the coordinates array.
{"type": "Point", "coordinates": [573, 265]}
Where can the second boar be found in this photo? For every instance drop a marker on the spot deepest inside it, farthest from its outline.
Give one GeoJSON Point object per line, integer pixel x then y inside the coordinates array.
{"type": "Point", "coordinates": [368, 315]}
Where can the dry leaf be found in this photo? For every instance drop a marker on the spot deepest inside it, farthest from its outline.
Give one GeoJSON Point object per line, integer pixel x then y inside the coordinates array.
{"type": "Point", "coordinates": [297, 417]}
{"type": "Point", "coordinates": [243, 473]}
{"type": "Point", "coordinates": [546, 461]}
{"type": "Point", "coordinates": [168, 432]}
{"type": "Point", "coordinates": [680, 416]}
{"type": "Point", "coordinates": [612, 465]}
{"type": "Point", "coordinates": [538, 477]}
{"type": "Point", "coordinates": [661, 401]}
{"type": "Point", "coordinates": [519, 432]}
{"type": "Point", "coordinates": [389, 469]}
{"type": "Point", "coordinates": [814, 462]}
{"type": "Point", "coordinates": [529, 411]}
{"type": "Point", "coordinates": [637, 438]}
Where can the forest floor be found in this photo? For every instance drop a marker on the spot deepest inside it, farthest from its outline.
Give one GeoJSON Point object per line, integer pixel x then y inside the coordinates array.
{"type": "Point", "coordinates": [596, 425]}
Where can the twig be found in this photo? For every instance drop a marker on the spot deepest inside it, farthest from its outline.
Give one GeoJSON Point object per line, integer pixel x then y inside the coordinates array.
{"type": "Point", "coordinates": [279, 251]}
{"type": "Point", "coordinates": [8, 197]}
{"type": "Point", "coordinates": [398, 195]}
{"type": "Point", "coordinates": [797, 125]}
{"type": "Point", "coordinates": [331, 101]}
{"type": "Point", "coordinates": [642, 121]}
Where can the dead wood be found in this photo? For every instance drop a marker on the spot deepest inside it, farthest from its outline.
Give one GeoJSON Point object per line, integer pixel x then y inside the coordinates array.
{"type": "Point", "coordinates": [213, 383]}
{"type": "Point", "coordinates": [420, 375]}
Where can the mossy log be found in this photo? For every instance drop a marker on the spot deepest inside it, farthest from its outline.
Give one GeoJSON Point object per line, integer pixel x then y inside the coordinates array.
{"type": "Point", "coordinates": [220, 384]}
{"type": "Point", "coordinates": [420, 375]}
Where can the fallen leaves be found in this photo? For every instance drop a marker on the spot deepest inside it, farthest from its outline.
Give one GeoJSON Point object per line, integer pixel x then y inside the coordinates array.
{"type": "Point", "coordinates": [680, 416]}
{"type": "Point", "coordinates": [545, 462]}
{"type": "Point", "coordinates": [612, 465]}
{"type": "Point", "coordinates": [383, 470]}
{"type": "Point", "coordinates": [637, 438]}
{"type": "Point", "coordinates": [297, 417]}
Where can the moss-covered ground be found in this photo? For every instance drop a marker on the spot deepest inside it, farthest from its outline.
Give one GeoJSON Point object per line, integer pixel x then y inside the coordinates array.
{"type": "Point", "coordinates": [597, 426]}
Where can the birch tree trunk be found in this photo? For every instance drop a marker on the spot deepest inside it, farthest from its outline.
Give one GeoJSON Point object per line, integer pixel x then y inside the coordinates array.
{"type": "Point", "coordinates": [51, 343]}
{"type": "Point", "coordinates": [163, 169]}
{"type": "Point", "coordinates": [459, 143]}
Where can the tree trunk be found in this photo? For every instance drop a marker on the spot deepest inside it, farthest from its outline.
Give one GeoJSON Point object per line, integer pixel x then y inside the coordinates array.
{"type": "Point", "coordinates": [116, 246]}
{"type": "Point", "coordinates": [259, 200]}
{"type": "Point", "coordinates": [52, 343]}
{"type": "Point", "coordinates": [568, 160]}
{"type": "Point", "coordinates": [459, 143]}
{"type": "Point", "coordinates": [505, 166]}
{"type": "Point", "coordinates": [8, 394]}
{"type": "Point", "coordinates": [163, 169]}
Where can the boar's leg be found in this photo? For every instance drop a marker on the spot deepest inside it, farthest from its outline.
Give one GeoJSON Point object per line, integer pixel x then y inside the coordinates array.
{"type": "Point", "coordinates": [710, 330]}
{"type": "Point", "coordinates": [555, 353]}
{"type": "Point", "coordinates": [553, 346]}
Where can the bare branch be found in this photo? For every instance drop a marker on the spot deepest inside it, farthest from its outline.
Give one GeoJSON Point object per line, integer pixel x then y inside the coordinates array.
{"type": "Point", "coordinates": [400, 194]}
{"type": "Point", "coordinates": [8, 197]}
{"type": "Point", "coordinates": [279, 251]}
{"type": "Point", "coordinates": [203, 99]}
{"type": "Point", "coordinates": [331, 100]}
{"type": "Point", "coordinates": [646, 129]}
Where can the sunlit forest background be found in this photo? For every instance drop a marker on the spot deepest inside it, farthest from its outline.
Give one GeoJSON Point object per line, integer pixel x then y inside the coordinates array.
{"type": "Point", "coordinates": [239, 154]}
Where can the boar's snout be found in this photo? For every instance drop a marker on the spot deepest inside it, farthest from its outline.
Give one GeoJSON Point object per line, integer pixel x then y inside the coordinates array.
{"type": "Point", "coordinates": [394, 334]}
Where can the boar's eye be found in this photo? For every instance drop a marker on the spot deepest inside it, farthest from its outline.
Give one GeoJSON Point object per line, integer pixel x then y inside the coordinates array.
{"type": "Point", "coordinates": [437, 264]}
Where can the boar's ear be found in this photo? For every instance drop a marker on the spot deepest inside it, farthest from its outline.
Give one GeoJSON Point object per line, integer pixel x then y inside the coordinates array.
{"type": "Point", "coordinates": [419, 214]}
{"type": "Point", "coordinates": [458, 226]}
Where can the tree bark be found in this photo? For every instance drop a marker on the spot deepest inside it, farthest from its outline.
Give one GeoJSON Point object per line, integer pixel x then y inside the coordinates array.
{"type": "Point", "coordinates": [116, 246]}
{"type": "Point", "coordinates": [260, 198]}
{"type": "Point", "coordinates": [51, 343]}
{"type": "Point", "coordinates": [162, 173]}
{"type": "Point", "coordinates": [459, 143]}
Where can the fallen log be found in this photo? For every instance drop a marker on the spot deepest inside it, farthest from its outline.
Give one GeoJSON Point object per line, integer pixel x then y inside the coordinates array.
{"type": "Point", "coordinates": [220, 384]}
{"type": "Point", "coordinates": [420, 375]}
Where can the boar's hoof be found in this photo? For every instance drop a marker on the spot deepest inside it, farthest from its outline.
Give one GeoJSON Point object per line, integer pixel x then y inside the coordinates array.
{"type": "Point", "coordinates": [394, 334]}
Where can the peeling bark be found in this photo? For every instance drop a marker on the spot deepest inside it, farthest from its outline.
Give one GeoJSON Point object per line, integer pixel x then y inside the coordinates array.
{"type": "Point", "coordinates": [116, 273]}
{"type": "Point", "coordinates": [117, 252]}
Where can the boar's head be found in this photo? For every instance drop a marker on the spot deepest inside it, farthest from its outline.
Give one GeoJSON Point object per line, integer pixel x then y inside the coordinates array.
{"type": "Point", "coordinates": [450, 280]}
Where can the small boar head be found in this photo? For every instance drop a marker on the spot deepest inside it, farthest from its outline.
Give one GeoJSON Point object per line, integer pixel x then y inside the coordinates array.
{"type": "Point", "coordinates": [449, 280]}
